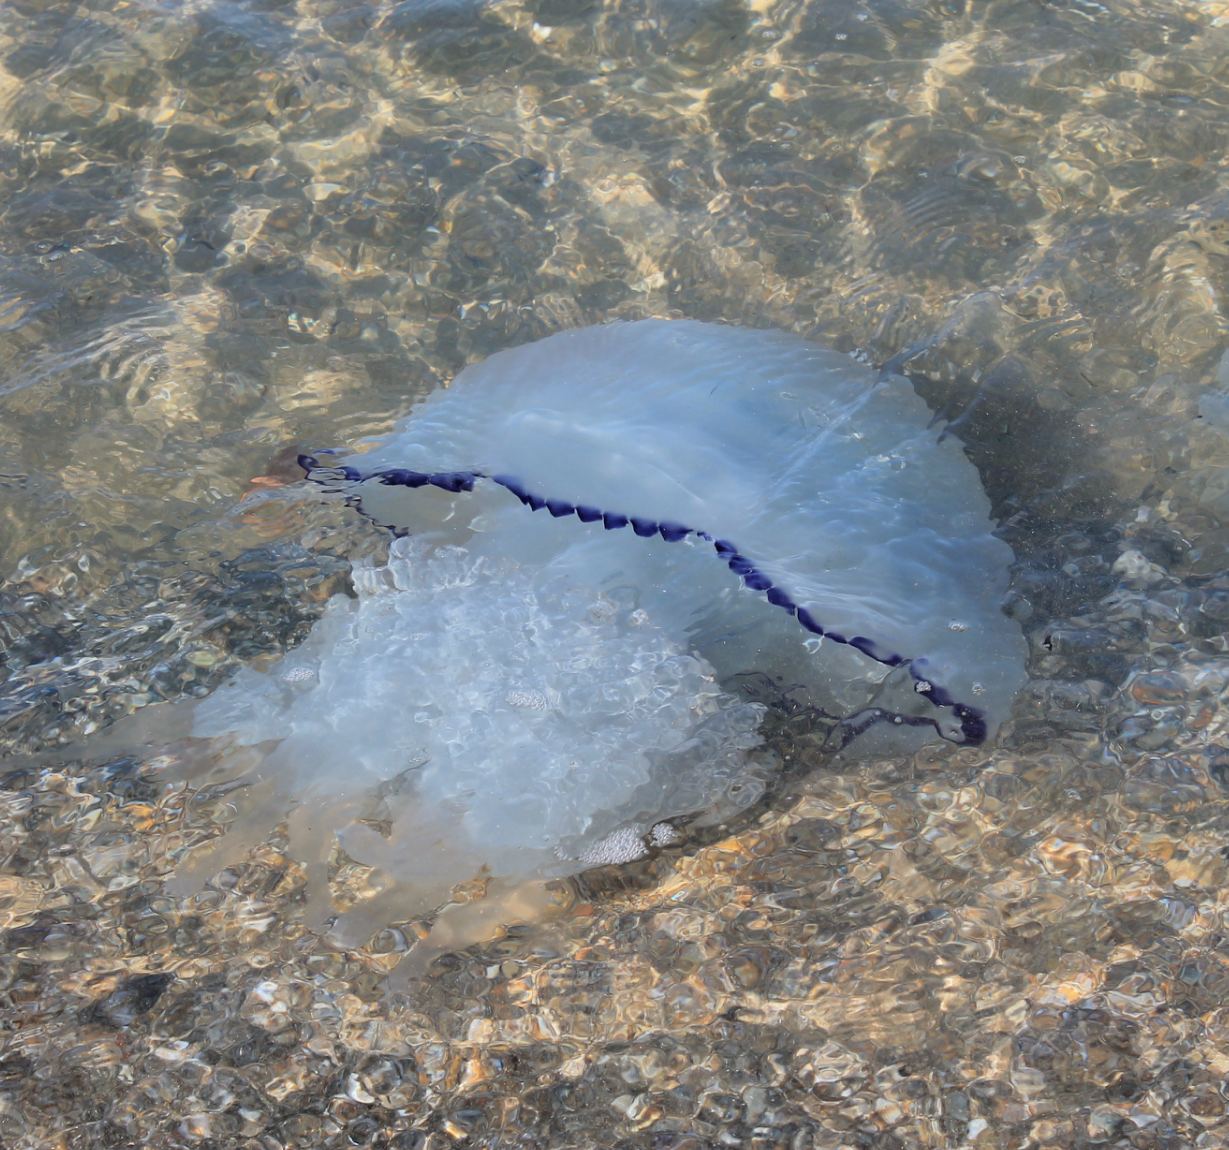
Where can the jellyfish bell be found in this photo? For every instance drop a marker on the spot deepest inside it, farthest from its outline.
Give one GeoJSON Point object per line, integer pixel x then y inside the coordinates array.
{"type": "Point", "coordinates": [782, 509]}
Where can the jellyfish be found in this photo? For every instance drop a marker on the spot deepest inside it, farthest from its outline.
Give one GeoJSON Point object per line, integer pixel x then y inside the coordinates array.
{"type": "Point", "coordinates": [615, 550]}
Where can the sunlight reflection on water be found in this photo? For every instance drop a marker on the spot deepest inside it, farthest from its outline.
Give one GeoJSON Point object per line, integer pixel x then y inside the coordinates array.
{"type": "Point", "coordinates": [231, 229]}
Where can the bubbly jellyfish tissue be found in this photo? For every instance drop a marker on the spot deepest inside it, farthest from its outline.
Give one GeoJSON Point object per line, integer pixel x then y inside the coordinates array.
{"type": "Point", "coordinates": [602, 536]}
{"type": "Point", "coordinates": [539, 729]}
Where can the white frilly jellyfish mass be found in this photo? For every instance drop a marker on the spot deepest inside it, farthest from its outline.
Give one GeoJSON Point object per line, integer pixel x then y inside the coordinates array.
{"type": "Point", "coordinates": [486, 716]}
{"type": "Point", "coordinates": [604, 536]}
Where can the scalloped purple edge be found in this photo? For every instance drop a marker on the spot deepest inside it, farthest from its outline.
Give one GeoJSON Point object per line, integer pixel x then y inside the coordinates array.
{"type": "Point", "coordinates": [972, 720]}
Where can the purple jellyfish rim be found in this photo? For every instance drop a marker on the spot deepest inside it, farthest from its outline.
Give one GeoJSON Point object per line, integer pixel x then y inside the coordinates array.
{"type": "Point", "coordinates": [972, 720]}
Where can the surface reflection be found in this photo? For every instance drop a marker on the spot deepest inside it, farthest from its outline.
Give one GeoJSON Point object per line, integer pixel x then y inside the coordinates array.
{"type": "Point", "coordinates": [231, 229]}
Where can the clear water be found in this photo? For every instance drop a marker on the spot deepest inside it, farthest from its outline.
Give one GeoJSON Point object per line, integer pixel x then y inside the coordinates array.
{"type": "Point", "coordinates": [232, 230]}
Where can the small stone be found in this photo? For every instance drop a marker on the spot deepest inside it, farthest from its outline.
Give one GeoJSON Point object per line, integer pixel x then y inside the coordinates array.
{"type": "Point", "coordinates": [1133, 567]}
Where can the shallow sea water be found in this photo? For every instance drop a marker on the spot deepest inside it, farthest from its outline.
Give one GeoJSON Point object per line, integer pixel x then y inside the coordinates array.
{"type": "Point", "coordinates": [230, 230]}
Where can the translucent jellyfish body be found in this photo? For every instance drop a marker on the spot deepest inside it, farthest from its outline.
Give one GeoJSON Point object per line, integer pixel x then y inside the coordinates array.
{"type": "Point", "coordinates": [605, 536]}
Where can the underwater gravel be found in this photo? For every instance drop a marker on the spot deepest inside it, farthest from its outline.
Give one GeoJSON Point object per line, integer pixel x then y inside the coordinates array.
{"type": "Point", "coordinates": [227, 230]}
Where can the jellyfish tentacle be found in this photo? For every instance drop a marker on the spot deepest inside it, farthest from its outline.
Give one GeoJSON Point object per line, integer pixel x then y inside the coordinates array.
{"type": "Point", "coordinates": [973, 726]}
